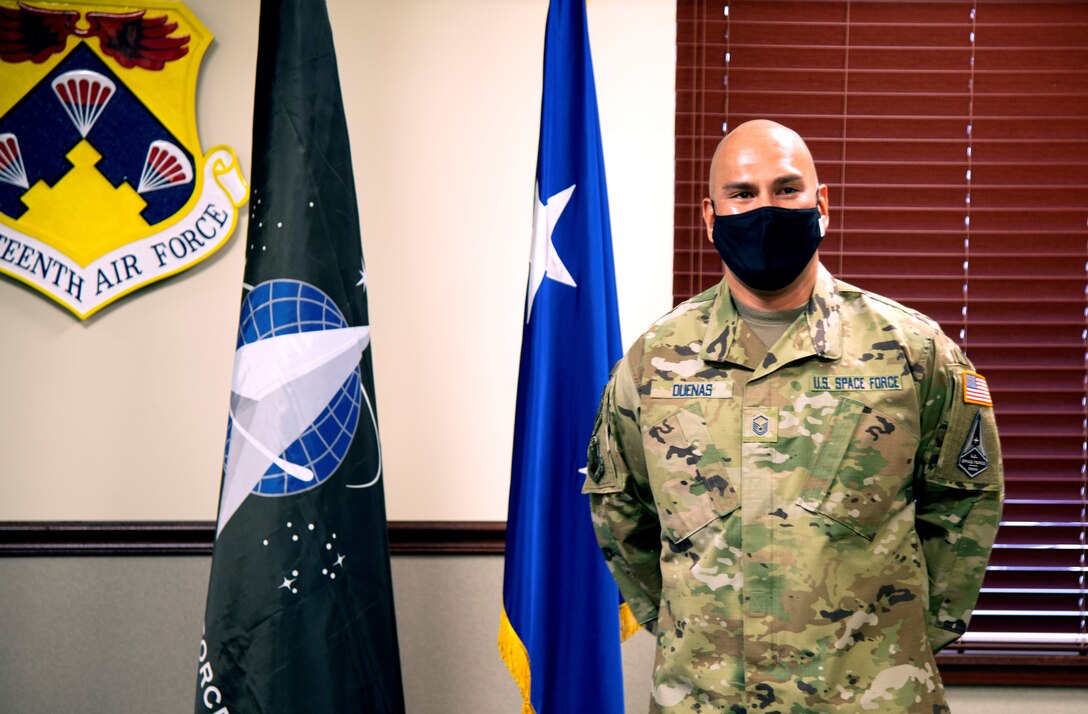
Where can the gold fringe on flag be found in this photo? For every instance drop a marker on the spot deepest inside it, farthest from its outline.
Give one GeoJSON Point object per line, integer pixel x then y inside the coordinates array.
{"type": "Point", "coordinates": [516, 658]}
{"type": "Point", "coordinates": [628, 624]}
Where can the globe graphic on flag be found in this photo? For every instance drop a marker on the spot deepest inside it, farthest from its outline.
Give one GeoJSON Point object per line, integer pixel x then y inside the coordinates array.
{"type": "Point", "coordinates": [283, 307]}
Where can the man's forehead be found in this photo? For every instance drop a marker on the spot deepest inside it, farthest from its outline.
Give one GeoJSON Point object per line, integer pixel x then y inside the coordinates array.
{"type": "Point", "coordinates": [744, 181]}
{"type": "Point", "coordinates": [776, 167]}
{"type": "Point", "coordinates": [773, 154]}
{"type": "Point", "coordinates": [768, 155]}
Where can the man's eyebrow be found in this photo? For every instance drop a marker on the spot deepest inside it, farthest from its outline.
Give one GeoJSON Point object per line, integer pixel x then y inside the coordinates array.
{"type": "Point", "coordinates": [788, 178]}
{"type": "Point", "coordinates": [751, 187]}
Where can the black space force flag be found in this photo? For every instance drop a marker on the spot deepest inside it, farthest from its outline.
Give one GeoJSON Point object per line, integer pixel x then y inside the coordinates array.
{"type": "Point", "coordinates": [300, 608]}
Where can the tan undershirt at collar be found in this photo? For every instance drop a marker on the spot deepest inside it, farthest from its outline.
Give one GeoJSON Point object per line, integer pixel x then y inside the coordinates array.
{"type": "Point", "coordinates": [767, 326]}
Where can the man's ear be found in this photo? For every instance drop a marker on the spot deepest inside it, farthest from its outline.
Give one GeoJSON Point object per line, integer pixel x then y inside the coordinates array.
{"type": "Point", "coordinates": [708, 219]}
{"type": "Point", "coordinates": [824, 206]}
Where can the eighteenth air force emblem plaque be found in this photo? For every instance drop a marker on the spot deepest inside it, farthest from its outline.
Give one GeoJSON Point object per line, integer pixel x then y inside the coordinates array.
{"type": "Point", "coordinates": [103, 184]}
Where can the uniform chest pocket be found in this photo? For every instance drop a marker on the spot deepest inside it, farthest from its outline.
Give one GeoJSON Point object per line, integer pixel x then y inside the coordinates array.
{"type": "Point", "coordinates": [861, 472]}
{"type": "Point", "coordinates": [688, 473]}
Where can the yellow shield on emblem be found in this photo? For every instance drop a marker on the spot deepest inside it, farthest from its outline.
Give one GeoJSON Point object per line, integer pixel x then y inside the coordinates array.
{"type": "Point", "coordinates": [104, 187]}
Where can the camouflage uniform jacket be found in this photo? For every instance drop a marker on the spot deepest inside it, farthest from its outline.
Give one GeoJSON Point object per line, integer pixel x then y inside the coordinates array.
{"type": "Point", "coordinates": [802, 528]}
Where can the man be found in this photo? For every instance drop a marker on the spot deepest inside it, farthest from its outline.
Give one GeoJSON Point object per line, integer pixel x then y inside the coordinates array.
{"type": "Point", "coordinates": [795, 483]}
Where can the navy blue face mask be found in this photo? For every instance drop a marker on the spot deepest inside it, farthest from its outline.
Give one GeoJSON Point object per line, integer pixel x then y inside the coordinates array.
{"type": "Point", "coordinates": [767, 248]}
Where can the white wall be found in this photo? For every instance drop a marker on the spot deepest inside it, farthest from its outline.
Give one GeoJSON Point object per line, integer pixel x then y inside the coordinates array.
{"type": "Point", "coordinates": [122, 417]}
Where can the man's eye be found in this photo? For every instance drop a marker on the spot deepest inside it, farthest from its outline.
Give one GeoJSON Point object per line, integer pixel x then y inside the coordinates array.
{"type": "Point", "coordinates": [789, 189]}
{"type": "Point", "coordinates": [741, 194]}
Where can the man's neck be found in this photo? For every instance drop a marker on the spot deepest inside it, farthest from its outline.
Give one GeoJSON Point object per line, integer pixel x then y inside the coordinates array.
{"type": "Point", "coordinates": [793, 295]}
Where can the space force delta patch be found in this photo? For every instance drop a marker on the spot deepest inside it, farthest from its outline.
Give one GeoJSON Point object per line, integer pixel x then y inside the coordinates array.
{"type": "Point", "coordinates": [973, 460]}
{"type": "Point", "coordinates": [104, 187]}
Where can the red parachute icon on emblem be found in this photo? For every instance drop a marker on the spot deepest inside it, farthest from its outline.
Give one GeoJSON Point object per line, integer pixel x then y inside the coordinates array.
{"type": "Point", "coordinates": [166, 166]}
{"type": "Point", "coordinates": [83, 94]}
{"type": "Point", "coordinates": [12, 169]}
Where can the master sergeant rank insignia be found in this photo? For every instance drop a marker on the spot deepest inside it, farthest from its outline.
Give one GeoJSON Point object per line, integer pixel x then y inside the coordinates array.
{"type": "Point", "coordinates": [103, 184]}
{"type": "Point", "coordinates": [759, 425]}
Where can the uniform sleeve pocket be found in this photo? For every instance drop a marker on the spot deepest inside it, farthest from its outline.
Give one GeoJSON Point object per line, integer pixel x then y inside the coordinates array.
{"type": "Point", "coordinates": [861, 472]}
{"type": "Point", "coordinates": [602, 476]}
{"type": "Point", "coordinates": [690, 480]}
{"type": "Point", "coordinates": [970, 453]}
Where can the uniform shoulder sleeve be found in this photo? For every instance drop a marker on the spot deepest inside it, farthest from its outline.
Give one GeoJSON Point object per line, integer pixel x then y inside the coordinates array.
{"type": "Point", "coordinates": [959, 485]}
{"type": "Point", "coordinates": [960, 445]}
{"type": "Point", "coordinates": [615, 448]}
{"type": "Point", "coordinates": [622, 506]}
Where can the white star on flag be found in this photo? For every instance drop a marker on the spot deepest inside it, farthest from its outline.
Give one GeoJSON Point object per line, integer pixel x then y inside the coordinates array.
{"type": "Point", "coordinates": [544, 260]}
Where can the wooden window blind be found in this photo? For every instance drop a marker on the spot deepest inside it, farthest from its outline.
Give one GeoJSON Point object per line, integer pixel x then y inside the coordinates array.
{"type": "Point", "coordinates": [953, 137]}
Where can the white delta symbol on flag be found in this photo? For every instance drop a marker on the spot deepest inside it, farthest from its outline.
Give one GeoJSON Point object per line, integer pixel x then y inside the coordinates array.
{"type": "Point", "coordinates": [296, 395]}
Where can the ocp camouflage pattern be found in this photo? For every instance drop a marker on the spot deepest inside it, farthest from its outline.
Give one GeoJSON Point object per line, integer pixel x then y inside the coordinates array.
{"type": "Point", "coordinates": [793, 524]}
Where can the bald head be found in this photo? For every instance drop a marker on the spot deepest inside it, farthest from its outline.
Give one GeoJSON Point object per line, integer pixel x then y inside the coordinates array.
{"type": "Point", "coordinates": [764, 164]}
{"type": "Point", "coordinates": [757, 142]}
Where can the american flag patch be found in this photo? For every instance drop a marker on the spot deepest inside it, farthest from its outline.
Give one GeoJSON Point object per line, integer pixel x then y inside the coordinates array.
{"type": "Point", "coordinates": [976, 390]}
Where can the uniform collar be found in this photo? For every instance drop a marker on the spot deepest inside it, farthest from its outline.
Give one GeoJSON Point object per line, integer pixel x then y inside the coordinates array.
{"type": "Point", "coordinates": [818, 331]}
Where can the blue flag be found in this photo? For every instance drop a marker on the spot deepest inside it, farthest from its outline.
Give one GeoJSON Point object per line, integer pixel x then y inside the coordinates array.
{"type": "Point", "coordinates": [560, 630]}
